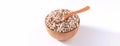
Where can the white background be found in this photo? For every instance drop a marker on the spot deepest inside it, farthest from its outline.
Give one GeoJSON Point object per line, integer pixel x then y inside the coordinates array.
{"type": "Point", "coordinates": [22, 22]}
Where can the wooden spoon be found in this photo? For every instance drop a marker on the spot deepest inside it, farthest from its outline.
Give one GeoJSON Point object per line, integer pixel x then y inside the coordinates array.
{"type": "Point", "coordinates": [76, 12]}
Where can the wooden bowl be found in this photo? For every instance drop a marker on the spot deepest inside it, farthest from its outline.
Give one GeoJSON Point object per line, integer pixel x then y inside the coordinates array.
{"type": "Point", "coordinates": [61, 35]}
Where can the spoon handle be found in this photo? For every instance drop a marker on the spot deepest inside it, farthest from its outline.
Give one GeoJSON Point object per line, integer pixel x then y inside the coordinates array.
{"type": "Point", "coordinates": [76, 12]}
